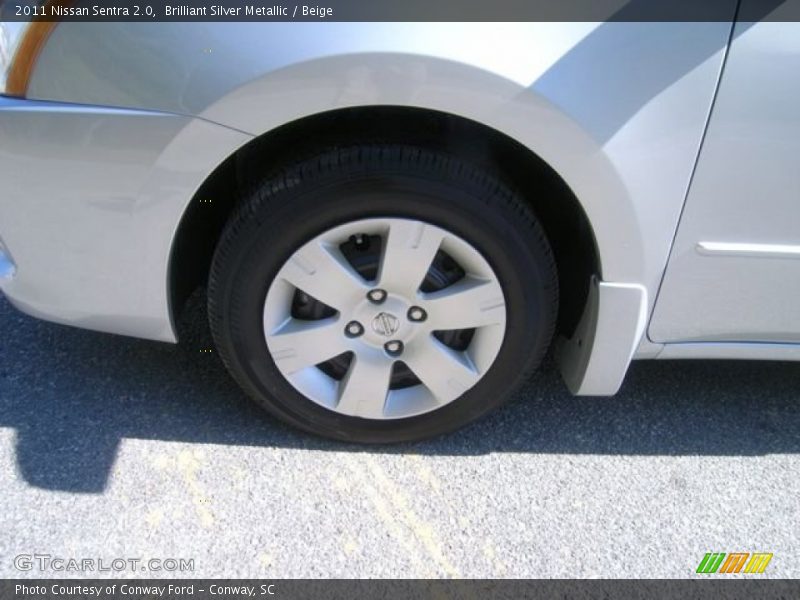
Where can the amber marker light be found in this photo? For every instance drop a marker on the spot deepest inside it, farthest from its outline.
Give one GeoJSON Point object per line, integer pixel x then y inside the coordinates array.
{"type": "Point", "coordinates": [20, 47]}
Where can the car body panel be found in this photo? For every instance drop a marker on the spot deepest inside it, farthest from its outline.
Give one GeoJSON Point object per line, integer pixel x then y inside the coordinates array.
{"type": "Point", "coordinates": [734, 272]}
{"type": "Point", "coordinates": [91, 199]}
{"type": "Point", "coordinates": [730, 351]}
{"type": "Point", "coordinates": [617, 109]}
{"type": "Point", "coordinates": [625, 145]}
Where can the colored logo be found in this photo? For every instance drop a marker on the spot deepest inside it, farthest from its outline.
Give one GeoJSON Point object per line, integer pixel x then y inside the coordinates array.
{"type": "Point", "coordinates": [736, 562]}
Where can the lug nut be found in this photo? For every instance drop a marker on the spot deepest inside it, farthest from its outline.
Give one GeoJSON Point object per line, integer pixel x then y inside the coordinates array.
{"type": "Point", "coordinates": [376, 296]}
{"type": "Point", "coordinates": [353, 329]}
{"type": "Point", "coordinates": [416, 314]}
{"type": "Point", "coordinates": [393, 348]}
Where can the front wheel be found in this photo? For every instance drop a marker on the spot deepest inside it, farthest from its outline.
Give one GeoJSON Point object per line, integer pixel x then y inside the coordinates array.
{"type": "Point", "coordinates": [382, 293]}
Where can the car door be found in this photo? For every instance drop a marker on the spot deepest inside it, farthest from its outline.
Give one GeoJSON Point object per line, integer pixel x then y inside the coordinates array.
{"type": "Point", "coordinates": [734, 270]}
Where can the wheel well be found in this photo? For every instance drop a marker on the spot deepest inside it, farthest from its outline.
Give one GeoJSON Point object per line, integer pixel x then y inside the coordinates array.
{"type": "Point", "coordinates": [565, 223]}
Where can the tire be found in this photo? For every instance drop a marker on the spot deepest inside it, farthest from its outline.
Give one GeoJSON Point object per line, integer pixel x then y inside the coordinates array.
{"type": "Point", "coordinates": [264, 251]}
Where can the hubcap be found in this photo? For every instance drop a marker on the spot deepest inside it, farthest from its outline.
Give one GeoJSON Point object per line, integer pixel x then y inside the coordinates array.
{"type": "Point", "coordinates": [384, 318]}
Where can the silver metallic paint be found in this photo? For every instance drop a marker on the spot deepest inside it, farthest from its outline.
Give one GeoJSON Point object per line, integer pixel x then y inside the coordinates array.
{"type": "Point", "coordinates": [744, 206]}
{"type": "Point", "coordinates": [730, 351]}
{"type": "Point", "coordinates": [90, 199]}
{"type": "Point", "coordinates": [617, 109]}
{"type": "Point", "coordinates": [627, 161]}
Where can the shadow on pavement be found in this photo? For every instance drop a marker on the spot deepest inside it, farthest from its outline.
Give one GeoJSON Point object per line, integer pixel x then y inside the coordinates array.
{"type": "Point", "coordinates": [72, 395]}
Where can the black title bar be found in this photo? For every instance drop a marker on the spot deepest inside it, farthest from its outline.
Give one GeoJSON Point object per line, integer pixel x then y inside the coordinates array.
{"type": "Point", "coordinates": [399, 10]}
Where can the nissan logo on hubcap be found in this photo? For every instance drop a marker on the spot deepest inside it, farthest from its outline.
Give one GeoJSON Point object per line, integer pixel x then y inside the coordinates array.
{"type": "Point", "coordinates": [385, 324]}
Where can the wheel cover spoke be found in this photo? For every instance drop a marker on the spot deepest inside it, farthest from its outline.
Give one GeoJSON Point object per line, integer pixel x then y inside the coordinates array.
{"type": "Point", "coordinates": [408, 254]}
{"type": "Point", "coordinates": [363, 391]}
{"type": "Point", "coordinates": [467, 304]}
{"type": "Point", "coordinates": [300, 344]}
{"type": "Point", "coordinates": [320, 270]}
{"type": "Point", "coordinates": [447, 373]}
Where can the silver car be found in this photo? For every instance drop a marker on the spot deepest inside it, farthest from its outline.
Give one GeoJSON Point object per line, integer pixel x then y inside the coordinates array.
{"type": "Point", "coordinates": [395, 222]}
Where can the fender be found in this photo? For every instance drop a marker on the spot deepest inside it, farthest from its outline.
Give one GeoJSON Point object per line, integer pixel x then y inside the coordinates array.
{"type": "Point", "coordinates": [618, 110]}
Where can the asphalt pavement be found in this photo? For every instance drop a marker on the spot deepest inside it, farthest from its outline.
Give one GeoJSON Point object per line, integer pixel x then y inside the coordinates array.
{"type": "Point", "coordinates": [115, 448]}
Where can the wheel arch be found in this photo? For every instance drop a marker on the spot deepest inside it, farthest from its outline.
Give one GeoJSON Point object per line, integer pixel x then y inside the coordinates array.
{"type": "Point", "coordinates": [565, 222]}
{"type": "Point", "coordinates": [603, 220]}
